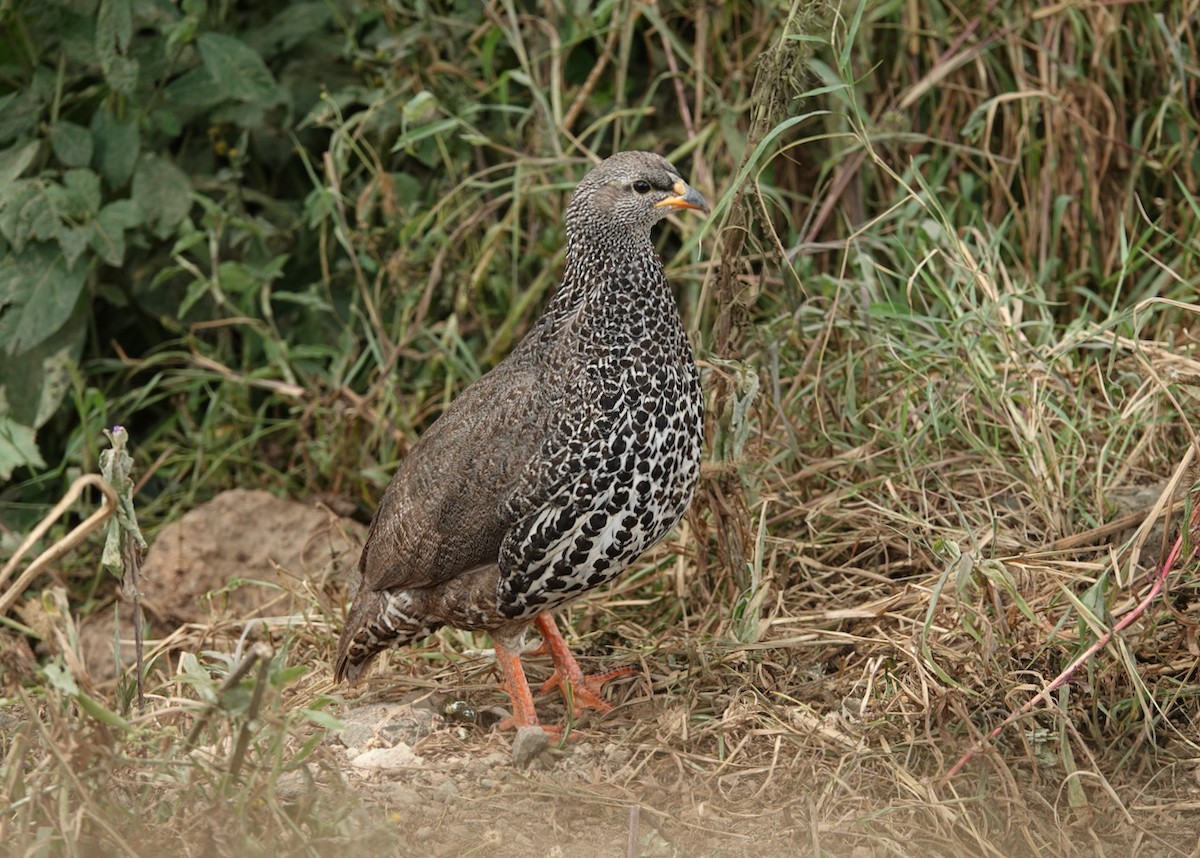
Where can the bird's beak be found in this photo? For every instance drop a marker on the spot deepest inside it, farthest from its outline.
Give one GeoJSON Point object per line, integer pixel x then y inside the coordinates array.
{"type": "Point", "coordinates": [686, 197]}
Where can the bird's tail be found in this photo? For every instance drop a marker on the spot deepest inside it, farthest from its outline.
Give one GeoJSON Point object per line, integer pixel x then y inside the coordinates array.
{"type": "Point", "coordinates": [378, 619]}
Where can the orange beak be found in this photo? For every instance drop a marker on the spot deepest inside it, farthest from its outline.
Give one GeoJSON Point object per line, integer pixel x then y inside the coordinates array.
{"type": "Point", "coordinates": [686, 197]}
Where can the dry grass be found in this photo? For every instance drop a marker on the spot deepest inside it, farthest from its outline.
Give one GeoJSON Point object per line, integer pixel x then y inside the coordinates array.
{"type": "Point", "coordinates": [948, 333]}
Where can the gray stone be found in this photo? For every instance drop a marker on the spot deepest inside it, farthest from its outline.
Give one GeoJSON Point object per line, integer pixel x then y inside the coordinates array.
{"type": "Point", "coordinates": [528, 745]}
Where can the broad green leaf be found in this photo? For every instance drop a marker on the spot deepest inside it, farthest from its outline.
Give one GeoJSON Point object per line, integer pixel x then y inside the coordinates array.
{"type": "Point", "coordinates": [187, 97]}
{"type": "Point", "coordinates": [29, 211]}
{"type": "Point", "coordinates": [238, 72]}
{"type": "Point", "coordinates": [19, 113]}
{"type": "Point", "coordinates": [116, 146]}
{"type": "Point", "coordinates": [114, 26]}
{"type": "Point", "coordinates": [37, 381]}
{"type": "Point", "coordinates": [72, 143]}
{"type": "Point", "coordinates": [78, 198]}
{"type": "Point", "coordinates": [14, 161]}
{"type": "Point", "coordinates": [122, 75]}
{"type": "Point", "coordinates": [235, 278]}
{"type": "Point", "coordinates": [37, 294]}
{"type": "Point", "coordinates": [127, 213]}
{"type": "Point", "coordinates": [107, 235]}
{"type": "Point", "coordinates": [57, 369]}
{"type": "Point", "coordinates": [73, 241]}
{"type": "Point", "coordinates": [182, 31]}
{"type": "Point", "coordinates": [163, 192]}
{"type": "Point", "coordinates": [18, 449]}
{"type": "Point", "coordinates": [108, 239]}
{"type": "Point", "coordinates": [114, 29]}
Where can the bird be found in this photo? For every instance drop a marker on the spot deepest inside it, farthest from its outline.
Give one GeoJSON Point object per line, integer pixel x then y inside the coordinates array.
{"type": "Point", "coordinates": [552, 473]}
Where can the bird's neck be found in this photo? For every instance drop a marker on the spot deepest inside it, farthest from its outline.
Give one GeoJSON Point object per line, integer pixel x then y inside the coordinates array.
{"type": "Point", "coordinates": [598, 274]}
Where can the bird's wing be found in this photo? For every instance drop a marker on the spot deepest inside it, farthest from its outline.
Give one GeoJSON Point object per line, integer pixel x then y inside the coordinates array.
{"type": "Point", "coordinates": [445, 510]}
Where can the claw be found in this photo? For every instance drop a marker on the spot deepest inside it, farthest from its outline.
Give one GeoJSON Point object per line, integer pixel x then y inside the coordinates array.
{"type": "Point", "coordinates": [581, 690]}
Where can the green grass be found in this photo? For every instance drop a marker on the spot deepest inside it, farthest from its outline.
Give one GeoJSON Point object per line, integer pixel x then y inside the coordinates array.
{"type": "Point", "coordinates": [946, 313]}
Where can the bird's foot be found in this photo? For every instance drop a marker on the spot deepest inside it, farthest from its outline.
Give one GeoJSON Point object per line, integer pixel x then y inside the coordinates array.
{"type": "Point", "coordinates": [582, 690]}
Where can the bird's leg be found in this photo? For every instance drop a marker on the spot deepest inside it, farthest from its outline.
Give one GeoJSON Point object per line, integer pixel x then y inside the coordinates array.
{"type": "Point", "coordinates": [582, 692]}
{"type": "Point", "coordinates": [517, 687]}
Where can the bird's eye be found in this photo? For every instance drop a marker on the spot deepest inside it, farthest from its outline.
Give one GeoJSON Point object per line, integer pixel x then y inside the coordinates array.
{"type": "Point", "coordinates": [641, 186]}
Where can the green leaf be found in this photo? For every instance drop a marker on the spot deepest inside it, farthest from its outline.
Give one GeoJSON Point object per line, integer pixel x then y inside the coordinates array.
{"type": "Point", "coordinates": [101, 712]}
{"type": "Point", "coordinates": [29, 212]}
{"type": "Point", "coordinates": [60, 679]}
{"type": "Point", "coordinates": [16, 160]}
{"type": "Point", "coordinates": [107, 232]}
{"type": "Point", "coordinates": [116, 145]}
{"type": "Point", "coordinates": [187, 97]}
{"type": "Point", "coordinates": [122, 75]}
{"type": "Point", "coordinates": [236, 278]}
{"type": "Point", "coordinates": [37, 382]}
{"type": "Point", "coordinates": [72, 143]}
{"type": "Point", "coordinates": [197, 288]}
{"type": "Point", "coordinates": [238, 72]}
{"type": "Point", "coordinates": [108, 239]}
{"type": "Point", "coordinates": [290, 27]}
{"type": "Point", "coordinates": [73, 241]}
{"type": "Point", "coordinates": [57, 371]}
{"type": "Point", "coordinates": [323, 719]}
{"type": "Point", "coordinates": [37, 294]}
{"type": "Point", "coordinates": [127, 213]}
{"type": "Point", "coordinates": [78, 198]}
{"type": "Point", "coordinates": [19, 113]}
{"type": "Point", "coordinates": [18, 449]}
{"type": "Point", "coordinates": [191, 672]}
{"type": "Point", "coordinates": [114, 30]}
{"type": "Point", "coordinates": [114, 26]}
{"type": "Point", "coordinates": [163, 192]}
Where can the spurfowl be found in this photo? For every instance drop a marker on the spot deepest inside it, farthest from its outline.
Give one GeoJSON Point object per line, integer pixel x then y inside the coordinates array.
{"type": "Point", "coordinates": [549, 475]}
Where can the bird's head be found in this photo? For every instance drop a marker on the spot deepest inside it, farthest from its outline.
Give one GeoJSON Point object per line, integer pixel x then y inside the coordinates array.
{"type": "Point", "coordinates": [626, 194]}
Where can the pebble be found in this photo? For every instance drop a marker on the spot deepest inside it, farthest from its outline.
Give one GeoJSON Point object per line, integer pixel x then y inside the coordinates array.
{"type": "Point", "coordinates": [528, 745]}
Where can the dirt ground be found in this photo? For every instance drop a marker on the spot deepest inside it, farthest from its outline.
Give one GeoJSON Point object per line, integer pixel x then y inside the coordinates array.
{"type": "Point", "coordinates": [776, 747]}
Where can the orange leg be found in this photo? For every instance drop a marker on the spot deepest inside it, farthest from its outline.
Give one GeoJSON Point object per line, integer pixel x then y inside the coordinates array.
{"type": "Point", "coordinates": [582, 692]}
{"type": "Point", "coordinates": [517, 687]}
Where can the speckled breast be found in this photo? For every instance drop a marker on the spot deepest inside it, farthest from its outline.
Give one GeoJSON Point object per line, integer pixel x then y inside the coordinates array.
{"type": "Point", "coordinates": [625, 489]}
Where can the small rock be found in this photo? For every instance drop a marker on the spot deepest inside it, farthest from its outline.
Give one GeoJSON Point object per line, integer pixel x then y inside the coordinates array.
{"type": "Point", "coordinates": [449, 788]}
{"type": "Point", "coordinates": [404, 796]}
{"type": "Point", "coordinates": [528, 745]}
{"type": "Point", "coordinates": [423, 833]}
{"type": "Point", "coordinates": [291, 786]}
{"type": "Point", "coordinates": [395, 757]}
{"type": "Point", "coordinates": [386, 724]}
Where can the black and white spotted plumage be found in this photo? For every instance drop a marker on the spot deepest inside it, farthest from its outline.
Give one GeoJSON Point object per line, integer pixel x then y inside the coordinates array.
{"type": "Point", "coordinates": [552, 473]}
